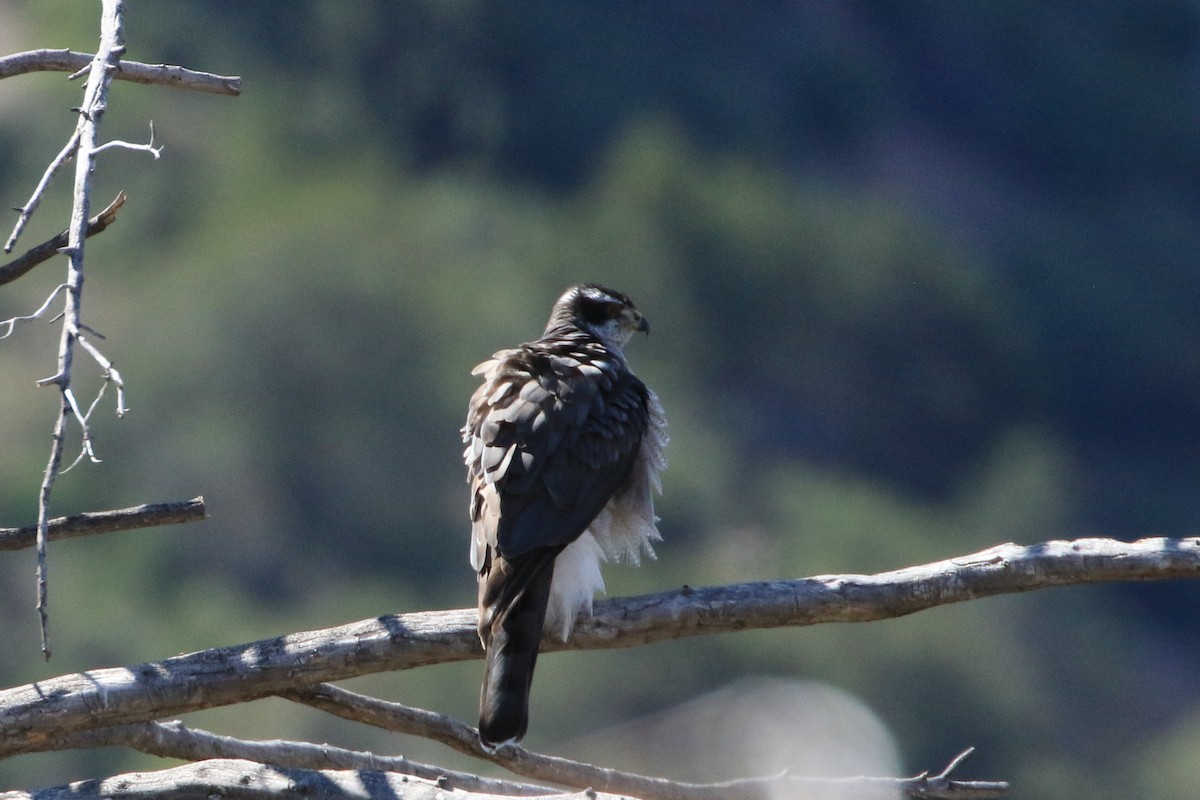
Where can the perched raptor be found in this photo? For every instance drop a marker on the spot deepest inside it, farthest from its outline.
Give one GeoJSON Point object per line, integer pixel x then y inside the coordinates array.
{"type": "Point", "coordinates": [564, 446]}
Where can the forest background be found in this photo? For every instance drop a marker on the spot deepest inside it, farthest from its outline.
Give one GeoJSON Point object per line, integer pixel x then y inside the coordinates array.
{"type": "Point", "coordinates": [923, 279]}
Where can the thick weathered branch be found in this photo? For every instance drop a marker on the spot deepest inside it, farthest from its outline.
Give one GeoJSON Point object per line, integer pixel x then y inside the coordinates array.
{"type": "Point", "coordinates": [134, 71]}
{"type": "Point", "coordinates": [246, 780]}
{"type": "Point", "coordinates": [552, 769]}
{"type": "Point", "coordinates": [32, 714]}
{"type": "Point", "coordinates": [148, 515]}
{"type": "Point", "coordinates": [47, 250]}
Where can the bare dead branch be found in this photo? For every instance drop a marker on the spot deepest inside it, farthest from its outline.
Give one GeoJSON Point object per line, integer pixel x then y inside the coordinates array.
{"type": "Point", "coordinates": [47, 250]}
{"type": "Point", "coordinates": [552, 769]}
{"type": "Point", "coordinates": [176, 740]}
{"type": "Point", "coordinates": [32, 714]}
{"type": "Point", "coordinates": [134, 71]}
{"type": "Point", "coordinates": [93, 522]}
{"type": "Point", "coordinates": [245, 780]}
{"type": "Point", "coordinates": [95, 101]}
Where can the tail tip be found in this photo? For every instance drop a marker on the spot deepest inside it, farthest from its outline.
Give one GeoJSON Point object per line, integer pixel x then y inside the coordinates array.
{"type": "Point", "coordinates": [496, 734]}
{"type": "Point", "coordinates": [492, 748]}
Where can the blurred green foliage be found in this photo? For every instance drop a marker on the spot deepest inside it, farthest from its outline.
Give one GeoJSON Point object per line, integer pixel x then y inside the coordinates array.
{"type": "Point", "coordinates": [922, 280]}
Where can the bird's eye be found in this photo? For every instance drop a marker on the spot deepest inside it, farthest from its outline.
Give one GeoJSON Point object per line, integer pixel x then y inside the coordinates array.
{"type": "Point", "coordinates": [600, 311]}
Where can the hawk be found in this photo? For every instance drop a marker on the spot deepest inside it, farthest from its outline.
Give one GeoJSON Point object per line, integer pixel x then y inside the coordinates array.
{"type": "Point", "coordinates": [564, 446]}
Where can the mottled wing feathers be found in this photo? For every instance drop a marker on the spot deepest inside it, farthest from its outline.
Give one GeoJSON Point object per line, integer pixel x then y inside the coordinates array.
{"type": "Point", "coordinates": [551, 434]}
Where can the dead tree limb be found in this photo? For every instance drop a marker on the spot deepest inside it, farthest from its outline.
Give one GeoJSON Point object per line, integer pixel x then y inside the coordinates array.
{"type": "Point", "coordinates": [95, 101]}
{"type": "Point", "coordinates": [148, 515]}
{"type": "Point", "coordinates": [133, 71]}
{"type": "Point", "coordinates": [552, 769]}
{"type": "Point", "coordinates": [33, 714]}
{"type": "Point", "coordinates": [47, 250]}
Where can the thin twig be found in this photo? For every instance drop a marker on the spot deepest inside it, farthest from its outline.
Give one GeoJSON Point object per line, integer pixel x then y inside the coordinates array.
{"type": "Point", "coordinates": [47, 250]}
{"type": "Point", "coordinates": [11, 324]}
{"type": "Point", "coordinates": [56, 450]}
{"type": "Point", "coordinates": [32, 714]}
{"type": "Point", "coordinates": [134, 71]}
{"type": "Point", "coordinates": [96, 522]}
{"type": "Point", "coordinates": [954, 763]}
{"type": "Point", "coordinates": [35, 199]}
{"type": "Point", "coordinates": [110, 373]}
{"type": "Point", "coordinates": [85, 447]}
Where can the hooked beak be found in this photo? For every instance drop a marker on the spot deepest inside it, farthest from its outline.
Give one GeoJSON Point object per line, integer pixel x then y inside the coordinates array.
{"type": "Point", "coordinates": [643, 326]}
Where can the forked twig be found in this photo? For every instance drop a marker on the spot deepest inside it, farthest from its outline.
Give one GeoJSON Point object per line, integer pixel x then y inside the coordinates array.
{"type": "Point", "coordinates": [11, 323]}
{"type": "Point", "coordinates": [120, 143]}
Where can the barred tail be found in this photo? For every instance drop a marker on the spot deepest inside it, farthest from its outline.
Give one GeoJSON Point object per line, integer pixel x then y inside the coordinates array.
{"type": "Point", "coordinates": [513, 599]}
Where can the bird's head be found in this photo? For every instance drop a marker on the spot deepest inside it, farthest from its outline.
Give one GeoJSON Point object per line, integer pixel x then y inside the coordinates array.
{"type": "Point", "coordinates": [606, 313]}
